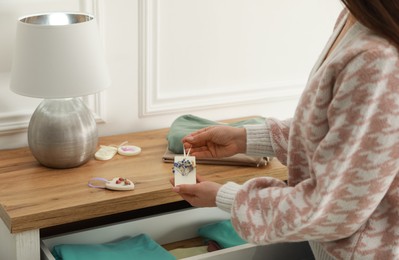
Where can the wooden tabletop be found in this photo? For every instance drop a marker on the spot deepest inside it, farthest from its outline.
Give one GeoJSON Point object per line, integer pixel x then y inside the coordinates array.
{"type": "Point", "coordinates": [34, 197]}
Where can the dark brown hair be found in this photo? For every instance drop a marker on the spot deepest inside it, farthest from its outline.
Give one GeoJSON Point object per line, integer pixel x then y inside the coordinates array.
{"type": "Point", "coordinates": [381, 16]}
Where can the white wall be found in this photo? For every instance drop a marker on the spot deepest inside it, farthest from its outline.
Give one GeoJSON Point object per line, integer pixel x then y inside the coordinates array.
{"type": "Point", "coordinates": [213, 58]}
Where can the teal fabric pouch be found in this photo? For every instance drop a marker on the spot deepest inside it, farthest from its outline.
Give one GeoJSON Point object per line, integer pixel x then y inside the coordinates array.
{"type": "Point", "coordinates": [138, 247]}
{"type": "Point", "coordinates": [187, 124]}
{"type": "Point", "coordinates": [221, 232]}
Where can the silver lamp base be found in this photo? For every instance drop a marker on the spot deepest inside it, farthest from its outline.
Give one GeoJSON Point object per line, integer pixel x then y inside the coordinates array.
{"type": "Point", "coordinates": [62, 133]}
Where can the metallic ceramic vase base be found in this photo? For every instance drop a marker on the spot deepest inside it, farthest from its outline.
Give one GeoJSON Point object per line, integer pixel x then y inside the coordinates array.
{"type": "Point", "coordinates": [62, 133]}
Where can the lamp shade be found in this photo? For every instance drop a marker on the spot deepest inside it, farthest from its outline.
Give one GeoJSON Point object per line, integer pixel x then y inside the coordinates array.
{"type": "Point", "coordinates": [58, 55]}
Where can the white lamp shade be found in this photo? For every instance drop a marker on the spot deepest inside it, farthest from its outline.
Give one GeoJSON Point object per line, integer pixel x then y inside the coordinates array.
{"type": "Point", "coordinates": [58, 59]}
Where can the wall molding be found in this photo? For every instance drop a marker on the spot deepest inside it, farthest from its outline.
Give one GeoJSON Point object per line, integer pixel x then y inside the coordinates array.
{"type": "Point", "coordinates": [96, 102]}
{"type": "Point", "coordinates": [14, 122]}
{"type": "Point", "coordinates": [152, 102]}
{"type": "Point", "coordinates": [17, 122]}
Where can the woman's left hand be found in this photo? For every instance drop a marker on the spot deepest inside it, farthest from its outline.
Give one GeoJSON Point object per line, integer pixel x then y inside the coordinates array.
{"type": "Point", "coordinates": [202, 194]}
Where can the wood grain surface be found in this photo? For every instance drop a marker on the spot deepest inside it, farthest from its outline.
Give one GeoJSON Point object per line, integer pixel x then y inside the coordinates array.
{"type": "Point", "coordinates": [34, 197]}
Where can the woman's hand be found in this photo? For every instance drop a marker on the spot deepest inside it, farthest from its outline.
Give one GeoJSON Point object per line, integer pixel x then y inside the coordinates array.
{"type": "Point", "coordinates": [216, 142]}
{"type": "Point", "coordinates": [202, 194]}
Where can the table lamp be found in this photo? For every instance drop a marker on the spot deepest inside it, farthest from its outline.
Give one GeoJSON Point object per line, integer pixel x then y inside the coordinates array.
{"type": "Point", "coordinates": [58, 57]}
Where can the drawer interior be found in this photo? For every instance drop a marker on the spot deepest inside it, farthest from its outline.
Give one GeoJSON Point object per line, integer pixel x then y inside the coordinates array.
{"type": "Point", "coordinates": [164, 229]}
{"type": "Point", "coordinates": [174, 229]}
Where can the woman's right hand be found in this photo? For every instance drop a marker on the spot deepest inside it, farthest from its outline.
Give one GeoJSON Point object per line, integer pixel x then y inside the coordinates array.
{"type": "Point", "coordinates": [216, 142]}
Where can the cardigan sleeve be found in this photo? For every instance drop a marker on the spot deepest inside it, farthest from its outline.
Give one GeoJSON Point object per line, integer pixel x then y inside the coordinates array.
{"type": "Point", "coordinates": [269, 139]}
{"type": "Point", "coordinates": [352, 168]}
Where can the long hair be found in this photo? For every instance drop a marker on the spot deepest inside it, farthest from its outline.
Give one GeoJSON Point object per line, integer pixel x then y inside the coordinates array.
{"type": "Point", "coordinates": [380, 16]}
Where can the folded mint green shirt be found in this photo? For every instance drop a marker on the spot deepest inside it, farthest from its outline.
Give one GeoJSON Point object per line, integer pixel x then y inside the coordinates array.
{"type": "Point", "coordinates": [221, 232]}
{"type": "Point", "coordinates": [139, 247]}
{"type": "Point", "coordinates": [187, 124]}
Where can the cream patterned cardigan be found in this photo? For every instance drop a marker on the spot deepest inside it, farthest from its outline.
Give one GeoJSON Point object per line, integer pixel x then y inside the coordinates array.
{"type": "Point", "coordinates": [342, 153]}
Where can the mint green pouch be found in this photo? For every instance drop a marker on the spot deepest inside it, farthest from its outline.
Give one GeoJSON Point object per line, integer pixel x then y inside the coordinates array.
{"type": "Point", "coordinates": [187, 124]}
{"type": "Point", "coordinates": [138, 247]}
{"type": "Point", "coordinates": [221, 232]}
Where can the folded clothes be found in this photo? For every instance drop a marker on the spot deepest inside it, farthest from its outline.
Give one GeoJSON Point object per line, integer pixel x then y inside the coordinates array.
{"type": "Point", "coordinates": [180, 253]}
{"type": "Point", "coordinates": [187, 124]}
{"type": "Point", "coordinates": [237, 160]}
{"type": "Point", "coordinates": [222, 233]}
{"type": "Point", "coordinates": [138, 247]}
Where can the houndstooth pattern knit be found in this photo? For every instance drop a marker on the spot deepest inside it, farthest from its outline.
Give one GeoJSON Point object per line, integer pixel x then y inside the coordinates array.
{"type": "Point", "coordinates": [342, 153]}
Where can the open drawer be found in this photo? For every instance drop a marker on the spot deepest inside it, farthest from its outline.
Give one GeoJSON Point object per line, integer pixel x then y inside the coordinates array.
{"type": "Point", "coordinates": [171, 227]}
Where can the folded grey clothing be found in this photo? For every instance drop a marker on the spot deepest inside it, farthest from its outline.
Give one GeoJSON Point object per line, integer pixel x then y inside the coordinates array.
{"type": "Point", "coordinates": [236, 160]}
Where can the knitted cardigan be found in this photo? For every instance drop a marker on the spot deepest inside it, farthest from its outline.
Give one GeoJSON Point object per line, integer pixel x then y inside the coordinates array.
{"type": "Point", "coordinates": [341, 149]}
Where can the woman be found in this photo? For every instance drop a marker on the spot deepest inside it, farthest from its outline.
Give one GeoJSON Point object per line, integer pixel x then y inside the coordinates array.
{"type": "Point", "coordinates": [341, 149]}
